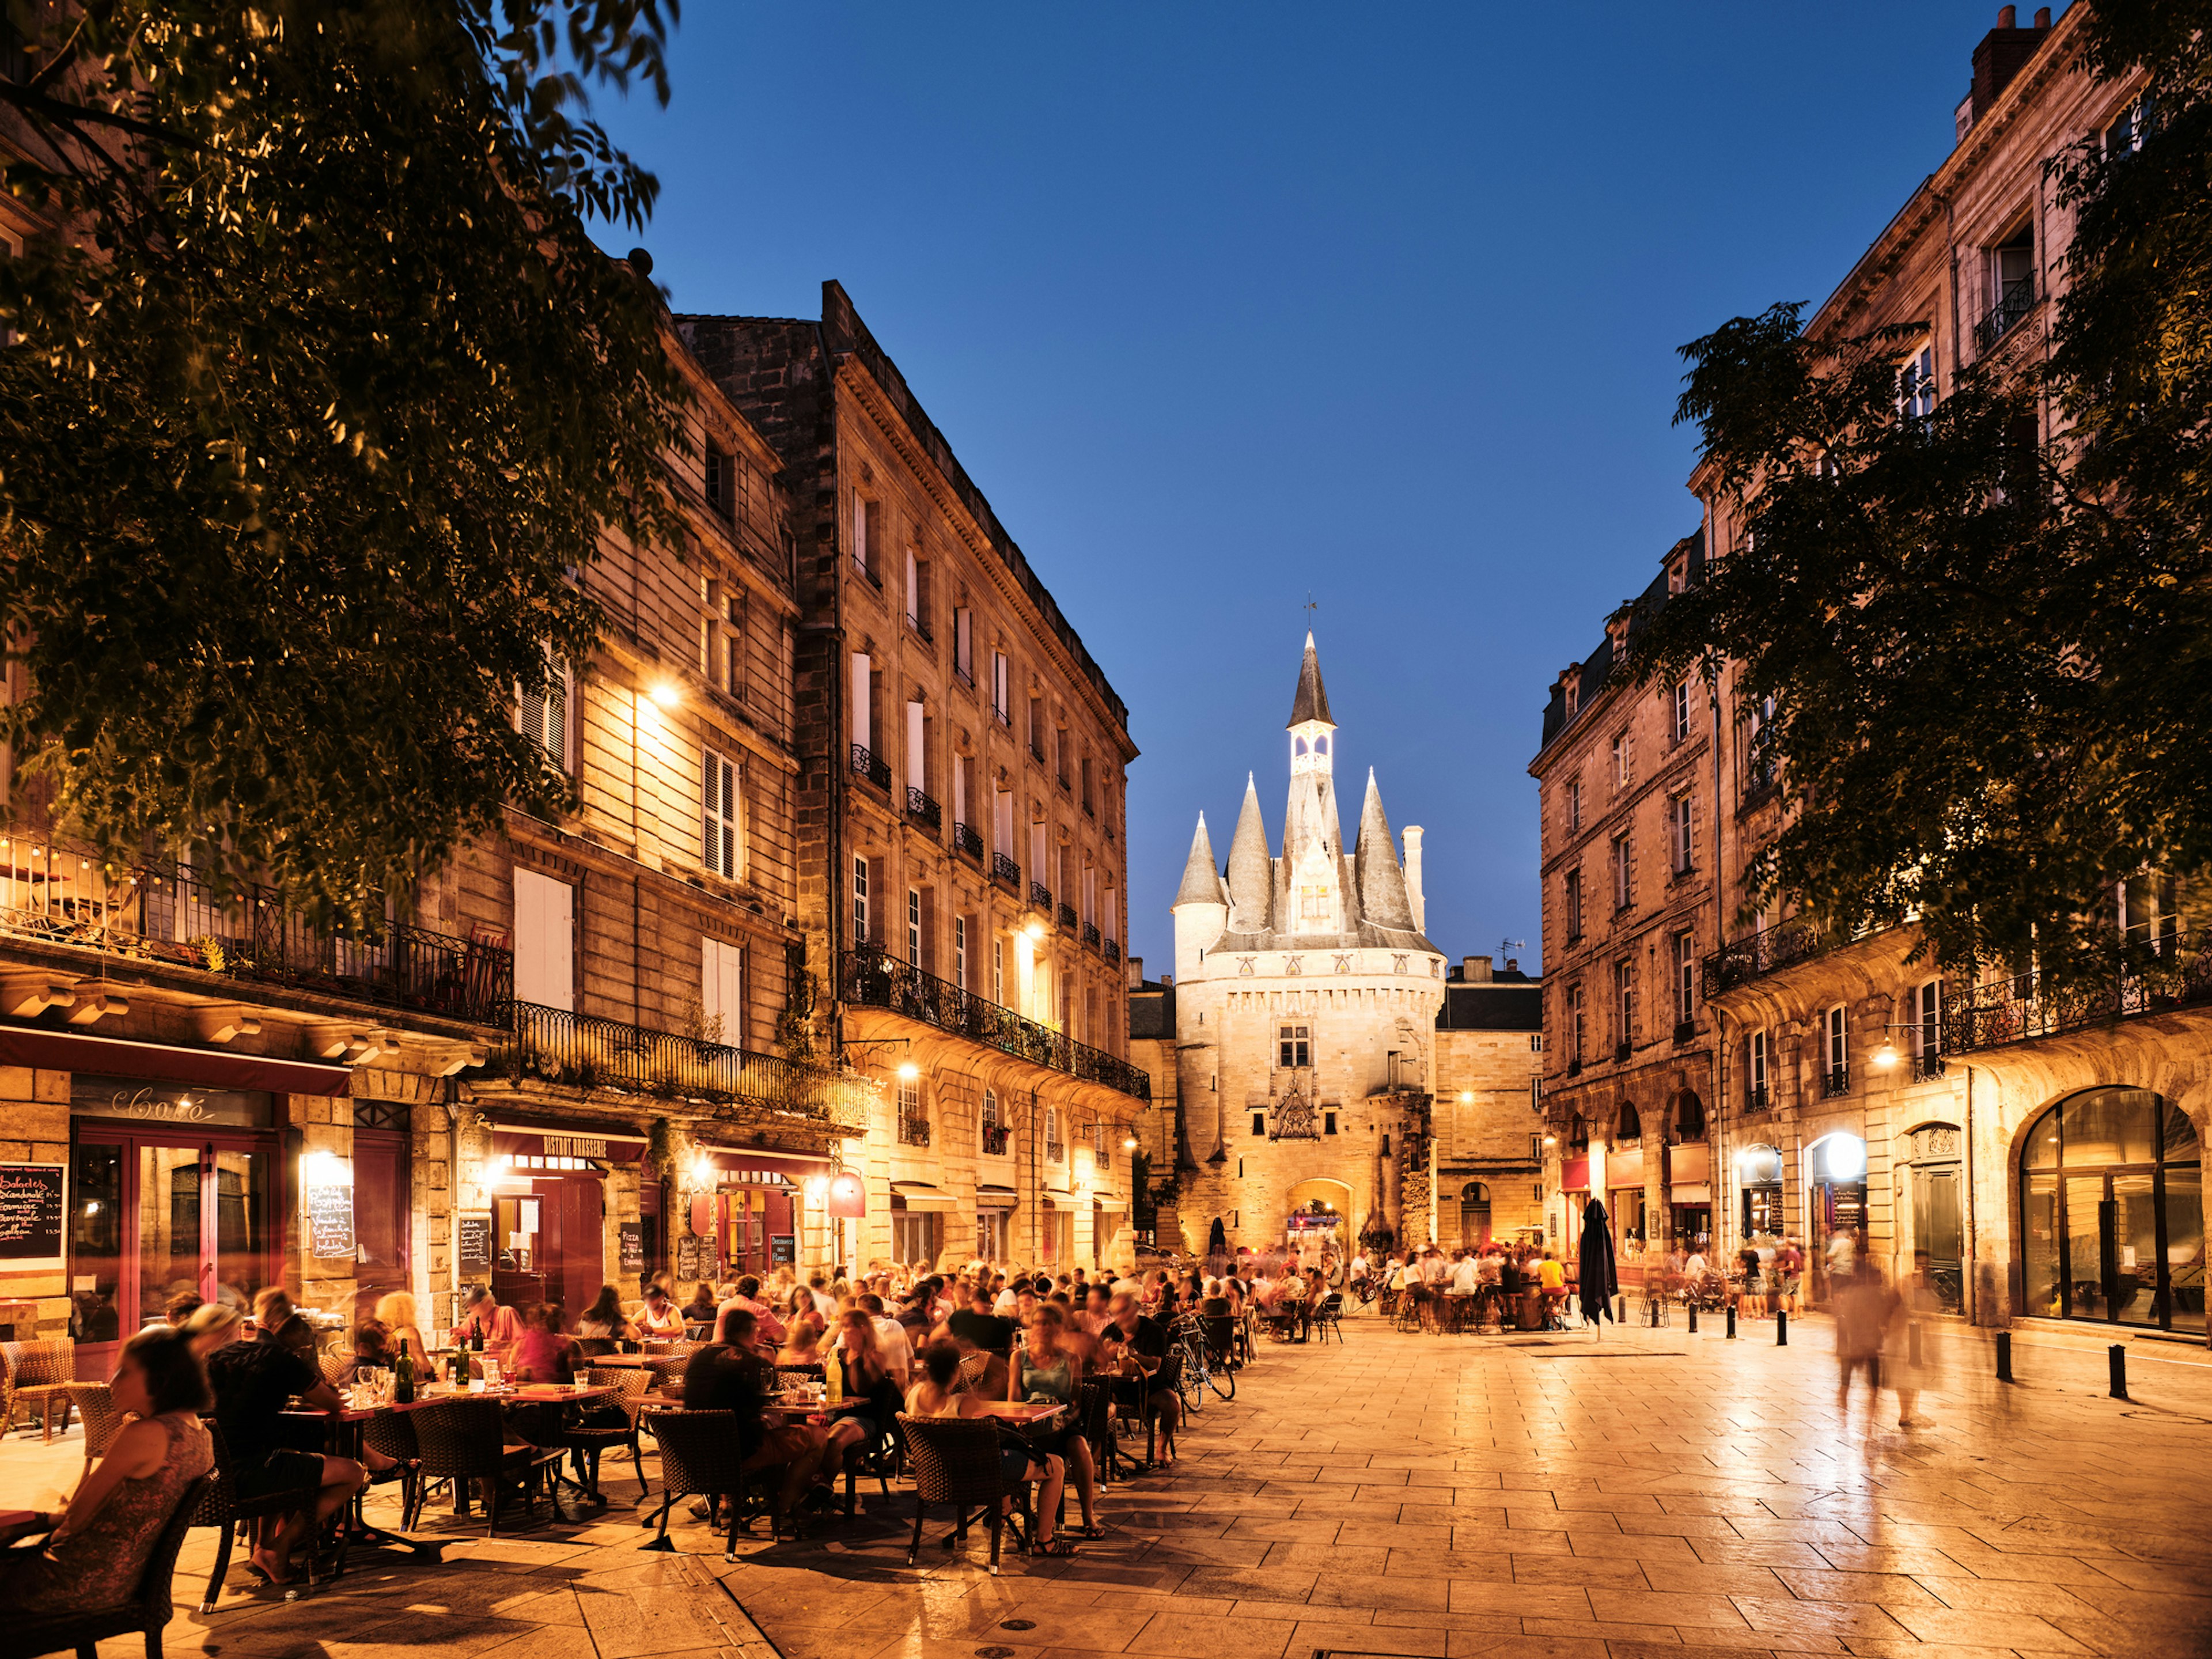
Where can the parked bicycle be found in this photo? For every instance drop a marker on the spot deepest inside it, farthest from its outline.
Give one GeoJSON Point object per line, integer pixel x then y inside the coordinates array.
{"type": "Point", "coordinates": [1200, 1371]}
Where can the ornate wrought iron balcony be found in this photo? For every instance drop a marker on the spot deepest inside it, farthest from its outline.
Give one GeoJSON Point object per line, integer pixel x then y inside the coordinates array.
{"type": "Point", "coordinates": [965, 840]}
{"type": "Point", "coordinates": [1113, 950]}
{"type": "Point", "coordinates": [873, 980]}
{"type": "Point", "coordinates": [912, 1131]}
{"type": "Point", "coordinates": [997, 1139]}
{"type": "Point", "coordinates": [2149, 976]}
{"type": "Point", "coordinates": [1068, 918]}
{"type": "Point", "coordinates": [923, 810]}
{"type": "Point", "coordinates": [61, 894]}
{"type": "Point", "coordinates": [871, 766]}
{"type": "Point", "coordinates": [581, 1051]}
{"type": "Point", "coordinates": [1090, 934]}
{"type": "Point", "coordinates": [1055, 1152]}
{"type": "Point", "coordinates": [1040, 895]}
{"type": "Point", "coordinates": [1005, 872]}
{"type": "Point", "coordinates": [1756, 1099]}
{"type": "Point", "coordinates": [1835, 1085]}
{"type": "Point", "coordinates": [1762, 953]}
{"type": "Point", "coordinates": [1927, 1067]}
{"type": "Point", "coordinates": [2015, 301]}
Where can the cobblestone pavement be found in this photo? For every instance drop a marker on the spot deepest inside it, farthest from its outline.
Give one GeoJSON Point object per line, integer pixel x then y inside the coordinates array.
{"type": "Point", "coordinates": [1649, 1493]}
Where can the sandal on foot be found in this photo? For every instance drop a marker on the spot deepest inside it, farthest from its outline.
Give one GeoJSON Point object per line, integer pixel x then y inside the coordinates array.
{"type": "Point", "coordinates": [1088, 1530]}
{"type": "Point", "coordinates": [1054, 1546]}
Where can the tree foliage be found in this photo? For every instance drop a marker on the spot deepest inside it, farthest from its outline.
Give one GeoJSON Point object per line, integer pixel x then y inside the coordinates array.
{"type": "Point", "coordinates": [1989, 656]}
{"type": "Point", "coordinates": [319, 393]}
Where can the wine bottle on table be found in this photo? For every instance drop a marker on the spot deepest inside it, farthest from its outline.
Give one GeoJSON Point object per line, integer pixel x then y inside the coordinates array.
{"type": "Point", "coordinates": [476, 1337]}
{"type": "Point", "coordinates": [403, 1376]}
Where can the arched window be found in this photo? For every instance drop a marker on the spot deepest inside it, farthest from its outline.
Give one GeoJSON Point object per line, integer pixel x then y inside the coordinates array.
{"type": "Point", "coordinates": [1690, 1118]}
{"type": "Point", "coordinates": [1474, 1213]}
{"type": "Point", "coordinates": [1321, 744]}
{"type": "Point", "coordinates": [2111, 1205]}
{"type": "Point", "coordinates": [1632, 1126]}
{"type": "Point", "coordinates": [1759, 1177]}
{"type": "Point", "coordinates": [1297, 745]}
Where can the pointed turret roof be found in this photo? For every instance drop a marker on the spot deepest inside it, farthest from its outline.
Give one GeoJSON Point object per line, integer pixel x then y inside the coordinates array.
{"type": "Point", "coordinates": [1201, 882]}
{"type": "Point", "coordinates": [1312, 702]}
{"type": "Point", "coordinates": [1381, 883]}
{"type": "Point", "coordinates": [1251, 871]}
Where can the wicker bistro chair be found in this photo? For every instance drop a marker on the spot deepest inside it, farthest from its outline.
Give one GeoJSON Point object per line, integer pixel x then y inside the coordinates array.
{"type": "Point", "coordinates": [465, 1439]}
{"type": "Point", "coordinates": [955, 1461]}
{"type": "Point", "coordinates": [1094, 1421]}
{"type": "Point", "coordinates": [103, 1419]}
{"type": "Point", "coordinates": [1329, 1316]}
{"type": "Point", "coordinates": [587, 1440]}
{"type": "Point", "coordinates": [700, 1456]}
{"type": "Point", "coordinates": [392, 1433]}
{"type": "Point", "coordinates": [149, 1609]}
{"type": "Point", "coordinates": [338, 1368]}
{"type": "Point", "coordinates": [220, 1506]}
{"type": "Point", "coordinates": [40, 1370]}
{"type": "Point", "coordinates": [1219, 1331]}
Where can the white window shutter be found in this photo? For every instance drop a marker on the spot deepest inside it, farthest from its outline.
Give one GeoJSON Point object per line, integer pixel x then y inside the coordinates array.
{"type": "Point", "coordinates": [545, 941]}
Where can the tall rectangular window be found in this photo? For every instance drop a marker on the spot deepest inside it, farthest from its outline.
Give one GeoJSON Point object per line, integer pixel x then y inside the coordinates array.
{"type": "Point", "coordinates": [1916, 385]}
{"type": "Point", "coordinates": [721, 484]}
{"type": "Point", "coordinates": [1837, 1024]}
{"type": "Point", "coordinates": [1294, 1047]}
{"type": "Point", "coordinates": [1001, 691]}
{"type": "Point", "coordinates": [964, 644]}
{"type": "Point", "coordinates": [1574, 806]}
{"type": "Point", "coordinates": [863, 700]}
{"type": "Point", "coordinates": [960, 952]}
{"type": "Point", "coordinates": [1623, 987]}
{"type": "Point", "coordinates": [1754, 1070]}
{"type": "Point", "coordinates": [914, 927]}
{"type": "Point", "coordinates": [718, 815]}
{"type": "Point", "coordinates": [864, 526]}
{"type": "Point", "coordinates": [1574, 905]}
{"type": "Point", "coordinates": [544, 716]}
{"type": "Point", "coordinates": [1686, 978]}
{"type": "Point", "coordinates": [1682, 832]}
{"type": "Point", "coordinates": [1037, 728]}
{"type": "Point", "coordinates": [1680, 712]}
{"type": "Point", "coordinates": [1623, 765]}
{"type": "Point", "coordinates": [860, 935]}
{"type": "Point", "coordinates": [722, 991]}
{"type": "Point", "coordinates": [1623, 886]}
{"type": "Point", "coordinates": [1928, 1021]}
{"type": "Point", "coordinates": [733, 648]}
{"type": "Point", "coordinates": [1577, 1025]}
{"type": "Point", "coordinates": [999, 969]}
{"type": "Point", "coordinates": [545, 941]}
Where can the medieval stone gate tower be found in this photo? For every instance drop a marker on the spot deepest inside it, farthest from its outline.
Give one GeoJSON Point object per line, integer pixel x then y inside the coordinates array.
{"type": "Point", "coordinates": [1305, 1014]}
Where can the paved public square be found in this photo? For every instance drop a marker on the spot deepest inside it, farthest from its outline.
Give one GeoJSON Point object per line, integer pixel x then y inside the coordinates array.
{"type": "Point", "coordinates": [1646, 1493]}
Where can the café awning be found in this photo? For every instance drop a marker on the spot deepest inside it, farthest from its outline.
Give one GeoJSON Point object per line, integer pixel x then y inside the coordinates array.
{"type": "Point", "coordinates": [920, 1195]}
{"type": "Point", "coordinates": [995, 1198]}
{"type": "Point", "coordinates": [1107, 1201]}
{"type": "Point", "coordinates": [1059, 1200]}
{"type": "Point", "coordinates": [37, 1048]}
{"type": "Point", "coordinates": [1700, 1194]}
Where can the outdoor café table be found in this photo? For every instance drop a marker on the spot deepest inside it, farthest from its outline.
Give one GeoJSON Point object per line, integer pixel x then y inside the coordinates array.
{"type": "Point", "coordinates": [343, 1429]}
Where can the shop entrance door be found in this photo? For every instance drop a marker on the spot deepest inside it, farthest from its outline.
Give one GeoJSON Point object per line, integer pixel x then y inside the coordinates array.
{"type": "Point", "coordinates": [1939, 1228]}
{"type": "Point", "coordinates": [158, 1217]}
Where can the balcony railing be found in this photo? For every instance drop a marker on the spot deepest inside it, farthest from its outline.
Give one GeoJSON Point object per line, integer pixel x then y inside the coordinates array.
{"type": "Point", "coordinates": [1835, 1085]}
{"type": "Point", "coordinates": [2015, 301]}
{"type": "Point", "coordinates": [871, 766]}
{"type": "Point", "coordinates": [1620, 1051]}
{"type": "Point", "coordinates": [1090, 934]}
{"type": "Point", "coordinates": [873, 980]}
{"type": "Point", "coordinates": [1068, 918]}
{"type": "Point", "coordinates": [1927, 1067]}
{"type": "Point", "coordinates": [912, 1131]}
{"type": "Point", "coordinates": [1113, 950]}
{"type": "Point", "coordinates": [1757, 1099]}
{"type": "Point", "coordinates": [965, 840]}
{"type": "Point", "coordinates": [1040, 895]}
{"type": "Point", "coordinates": [1686, 1030]}
{"type": "Point", "coordinates": [581, 1051]}
{"type": "Point", "coordinates": [923, 810]}
{"type": "Point", "coordinates": [997, 1139]}
{"type": "Point", "coordinates": [2153, 976]}
{"type": "Point", "coordinates": [1006, 873]}
{"type": "Point", "coordinates": [1055, 1152]}
{"type": "Point", "coordinates": [162, 913]}
{"type": "Point", "coordinates": [1763, 952]}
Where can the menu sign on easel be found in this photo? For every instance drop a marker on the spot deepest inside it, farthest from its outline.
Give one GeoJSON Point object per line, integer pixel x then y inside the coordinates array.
{"type": "Point", "coordinates": [630, 1245]}
{"type": "Point", "coordinates": [472, 1247]}
{"type": "Point", "coordinates": [31, 1206]}
{"type": "Point", "coordinates": [329, 1209]}
{"type": "Point", "coordinates": [690, 1257]}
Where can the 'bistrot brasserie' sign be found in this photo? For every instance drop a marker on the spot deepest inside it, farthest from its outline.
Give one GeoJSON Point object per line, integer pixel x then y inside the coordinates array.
{"type": "Point", "coordinates": [606, 1146]}
{"type": "Point", "coordinates": [575, 1146]}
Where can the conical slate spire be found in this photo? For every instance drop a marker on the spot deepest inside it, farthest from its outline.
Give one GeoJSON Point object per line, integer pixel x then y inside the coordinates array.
{"type": "Point", "coordinates": [1312, 702]}
{"type": "Point", "coordinates": [1381, 883]}
{"type": "Point", "coordinates": [1201, 882]}
{"type": "Point", "coordinates": [1251, 871]}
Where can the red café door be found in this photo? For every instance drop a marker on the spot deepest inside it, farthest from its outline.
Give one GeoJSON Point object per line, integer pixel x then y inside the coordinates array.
{"type": "Point", "coordinates": [582, 1244]}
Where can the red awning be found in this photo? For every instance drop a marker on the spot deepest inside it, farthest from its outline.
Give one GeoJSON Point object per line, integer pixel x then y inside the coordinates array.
{"type": "Point", "coordinates": [162, 1062]}
{"type": "Point", "coordinates": [544, 1138]}
{"type": "Point", "coordinates": [733, 1164]}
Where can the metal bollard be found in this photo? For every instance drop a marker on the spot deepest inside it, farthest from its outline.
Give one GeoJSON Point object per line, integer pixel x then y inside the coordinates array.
{"type": "Point", "coordinates": [1621, 1318]}
{"type": "Point", "coordinates": [1912, 1342]}
{"type": "Point", "coordinates": [1782, 1328]}
{"type": "Point", "coordinates": [1693, 1319]}
{"type": "Point", "coordinates": [2117, 1355]}
{"type": "Point", "coordinates": [2004, 1356]}
{"type": "Point", "coordinates": [1731, 1322]}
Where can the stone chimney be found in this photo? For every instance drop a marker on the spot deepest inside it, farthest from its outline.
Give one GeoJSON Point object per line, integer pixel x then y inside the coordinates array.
{"type": "Point", "coordinates": [1136, 966]}
{"type": "Point", "coordinates": [1413, 874]}
{"type": "Point", "coordinates": [1475, 970]}
{"type": "Point", "coordinates": [2004, 52]}
{"type": "Point", "coordinates": [1167, 981]}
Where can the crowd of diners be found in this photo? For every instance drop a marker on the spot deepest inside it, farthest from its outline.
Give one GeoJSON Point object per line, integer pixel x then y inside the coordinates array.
{"type": "Point", "coordinates": [895, 1335]}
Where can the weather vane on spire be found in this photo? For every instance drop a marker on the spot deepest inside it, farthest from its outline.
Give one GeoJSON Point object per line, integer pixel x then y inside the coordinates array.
{"type": "Point", "coordinates": [1310, 607]}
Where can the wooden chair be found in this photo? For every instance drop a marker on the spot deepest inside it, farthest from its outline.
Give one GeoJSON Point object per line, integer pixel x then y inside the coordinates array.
{"type": "Point", "coordinates": [955, 1461]}
{"type": "Point", "coordinates": [40, 1370]}
{"type": "Point", "coordinates": [1094, 1420]}
{"type": "Point", "coordinates": [465, 1439]}
{"type": "Point", "coordinates": [1329, 1316]}
{"type": "Point", "coordinates": [586, 1440]}
{"type": "Point", "coordinates": [103, 1419]}
{"type": "Point", "coordinates": [701, 1457]}
{"type": "Point", "coordinates": [147, 1612]}
{"type": "Point", "coordinates": [220, 1506]}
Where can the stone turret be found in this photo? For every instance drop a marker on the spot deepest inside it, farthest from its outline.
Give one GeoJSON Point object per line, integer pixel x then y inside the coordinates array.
{"type": "Point", "coordinates": [1201, 904]}
{"type": "Point", "coordinates": [1381, 883]}
{"type": "Point", "coordinates": [1251, 871]}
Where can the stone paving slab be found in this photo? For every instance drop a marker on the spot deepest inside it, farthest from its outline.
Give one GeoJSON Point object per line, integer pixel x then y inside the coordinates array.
{"type": "Point", "coordinates": [1407, 1497]}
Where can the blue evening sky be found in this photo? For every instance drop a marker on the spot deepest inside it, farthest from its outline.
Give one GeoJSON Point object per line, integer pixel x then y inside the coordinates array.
{"type": "Point", "coordinates": [1221, 304]}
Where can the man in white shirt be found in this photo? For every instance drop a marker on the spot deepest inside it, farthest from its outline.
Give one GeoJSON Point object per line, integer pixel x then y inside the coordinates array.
{"type": "Point", "coordinates": [1466, 1277]}
{"type": "Point", "coordinates": [1693, 1270]}
{"type": "Point", "coordinates": [891, 1338]}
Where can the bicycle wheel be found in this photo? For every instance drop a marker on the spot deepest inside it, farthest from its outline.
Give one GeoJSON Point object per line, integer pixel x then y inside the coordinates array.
{"type": "Point", "coordinates": [1222, 1381]}
{"type": "Point", "coordinates": [1192, 1384]}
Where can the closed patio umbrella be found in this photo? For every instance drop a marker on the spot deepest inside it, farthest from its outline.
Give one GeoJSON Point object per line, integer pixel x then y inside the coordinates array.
{"type": "Point", "coordinates": [1600, 1280]}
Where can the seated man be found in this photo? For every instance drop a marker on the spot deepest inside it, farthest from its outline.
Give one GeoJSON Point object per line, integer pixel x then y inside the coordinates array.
{"type": "Point", "coordinates": [483, 1314]}
{"type": "Point", "coordinates": [729, 1375]}
{"type": "Point", "coordinates": [1135, 1344]}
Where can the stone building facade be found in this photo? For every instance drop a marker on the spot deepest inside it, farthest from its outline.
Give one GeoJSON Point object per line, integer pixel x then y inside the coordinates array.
{"type": "Point", "coordinates": [1625, 789]}
{"type": "Point", "coordinates": [558, 1068]}
{"type": "Point", "coordinates": [1487, 1155]}
{"type": "Point", "coordinates": [963, 891]}
{"type": "Point", "coordinates": [1305, 1018]}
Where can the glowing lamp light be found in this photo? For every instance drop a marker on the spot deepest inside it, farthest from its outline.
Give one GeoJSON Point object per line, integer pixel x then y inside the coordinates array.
{"type": "Point", "coordinates": [848, 1197]}
{"type": "Point", "coordinates": [817, 1189]}
{"type": "Point", "coordinates": [1034, 928]}
{"type": "Point", "coordinates": [1128, 1143]}
{"type": "Point", "coordinates": [908, 1072]}
{"type": "Point", "coordinates": [1551, 1140]}
{"type": "Point", "coordinates": [1467, 1097]}
{"type": "Point", "coordinates": [1886, 1057]}
{"type": "Point", "coordinates": [1844, 1157]}
{"type": "Point", "coordinates": [665, 694]}
{"type": "Point", "coordinates": [702, 1170]}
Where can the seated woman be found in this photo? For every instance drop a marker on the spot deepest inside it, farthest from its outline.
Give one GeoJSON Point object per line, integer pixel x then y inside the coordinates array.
{"type": "Point", "coordinates": [96, 1549]}
{"type": "Point", "coordinates": [933, 1397]}
{"type": "Point", "coordinates": [872, 1399]}
{"type": "Point", "coordinates": [802, 1341]}
{"type": "Point", "coordinates": [1047, 1369]}
{"type": "Point", "coordinates": [729, 1375]}
{"type": "Point", "coordinates": [542, 1353]}
{"type": "Point", "coordinates": [603, 1320]}
{"type": "Point", "coordinates": [702, 1308]}
{"type": "Point", "coordinates": [395, 1311]}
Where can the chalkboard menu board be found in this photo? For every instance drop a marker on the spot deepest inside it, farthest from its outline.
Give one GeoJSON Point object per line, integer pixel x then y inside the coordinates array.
{"type": "Point", "coordinates": [782, 1250]}
{"type": "Point", "coordinates": [329, 1211]}
{"type": "Point", "coordinates": [632, 1236]}
{"type": "Point", "coordinates": [689, 1253]}
{"type": "Point", "coordinates": [472, 1247]}
{"type": "Point", "coordinates": [30, 1202]}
